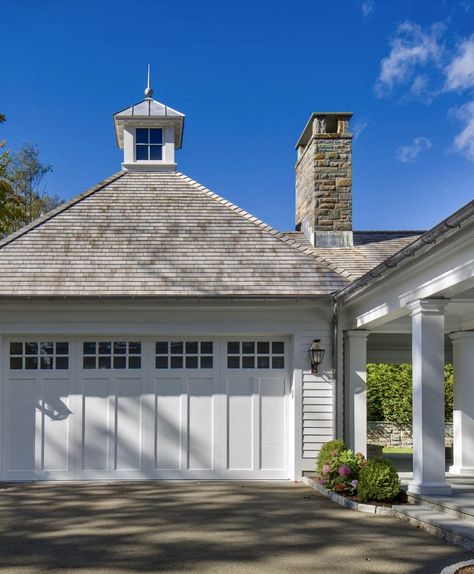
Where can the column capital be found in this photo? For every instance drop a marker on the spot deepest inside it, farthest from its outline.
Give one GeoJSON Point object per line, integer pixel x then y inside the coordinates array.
{"type": "Point", "coordinates": [462, 336]}
{"type": "Point", "coordinates": [354, 334]}
{"type": "Point", "coordinates": [427, 306]}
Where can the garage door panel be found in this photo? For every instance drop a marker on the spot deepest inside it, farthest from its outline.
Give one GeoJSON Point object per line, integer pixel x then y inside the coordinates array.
{"type": "Point", "coordinates": [21, 431]}
{"type": "Point", "coordinates": [21, 393]}
{"type": "Point", "coordinates": [21, 422]}
{"type": "Point", "coordinates": [38, 426]}
{"type": "Point", "coordinates": [240, 424]}
{"type": "Point", "coordinates": [56, 422]}
{"type": "Point", "coordinates": [95, 424]}
{"type": "Point", "coordinates": [128, 424]}
{"type": "Point", "coordinates": [168, 424]}
{"type": "Point", "coordinates": [272, 423]}
{"type": "Point", "coordinates": [200, 419]}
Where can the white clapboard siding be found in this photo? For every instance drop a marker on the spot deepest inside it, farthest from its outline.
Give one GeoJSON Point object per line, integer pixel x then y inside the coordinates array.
{"type": "Point", "coordinates": [317, 431]}
{"type": "Point", "coordinates": [317, 417]}
{"type": "Point", "coordinates": [318, 396]}
{"type": "Point", "coordinates": [319, 424]}
{"type": "Point", "coordinates": [318, 401]}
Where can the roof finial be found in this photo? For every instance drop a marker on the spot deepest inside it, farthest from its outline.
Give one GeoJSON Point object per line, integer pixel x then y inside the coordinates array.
{"type": "Point", "coordinates": [148, 91]}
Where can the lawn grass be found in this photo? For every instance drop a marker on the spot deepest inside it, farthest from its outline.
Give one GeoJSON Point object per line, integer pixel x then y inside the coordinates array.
{"type": "Point", "coordinates": [397, 450]}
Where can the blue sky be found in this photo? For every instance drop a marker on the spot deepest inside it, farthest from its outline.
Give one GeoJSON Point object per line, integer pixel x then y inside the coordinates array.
{"type": "Point", "coordinates": [247, 75]}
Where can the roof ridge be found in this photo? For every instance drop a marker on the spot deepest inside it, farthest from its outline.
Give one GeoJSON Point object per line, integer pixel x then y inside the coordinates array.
{"type": "Point", "coordinates": [264, 226]}
{"type": "Point", "coordinates": [57, 210]}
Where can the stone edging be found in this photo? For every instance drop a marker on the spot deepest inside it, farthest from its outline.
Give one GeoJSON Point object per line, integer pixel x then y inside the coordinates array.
{"type": "Point", "coordinates": [342, 501]}
{"type": "Point", "coordinates": [451, 534]}
{"type": "Point", "coordinates": [455, 567]}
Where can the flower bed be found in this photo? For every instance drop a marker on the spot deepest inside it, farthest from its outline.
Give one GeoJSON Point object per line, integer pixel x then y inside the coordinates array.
{"type": "Point", "coordinates": [347, 502]}
{"type": "Point", "coordinates": [341, 471]}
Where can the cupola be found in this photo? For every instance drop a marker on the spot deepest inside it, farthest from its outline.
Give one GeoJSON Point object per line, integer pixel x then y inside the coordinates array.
{"type": "Point", "coordinates": [149, 132]}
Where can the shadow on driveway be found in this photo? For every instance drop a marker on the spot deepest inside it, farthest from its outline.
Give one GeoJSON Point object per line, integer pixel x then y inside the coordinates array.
{"type": "Point", "coordinates": [203, 527]}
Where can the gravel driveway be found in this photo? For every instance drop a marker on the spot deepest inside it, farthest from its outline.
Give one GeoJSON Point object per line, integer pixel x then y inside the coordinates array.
{"type": "Point", "coordinates": [231, 527]}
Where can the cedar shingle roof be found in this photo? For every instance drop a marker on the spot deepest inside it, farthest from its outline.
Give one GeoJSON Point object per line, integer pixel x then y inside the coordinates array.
{"type": "Point", "coordinates": [157, 235]}
{"type": "Point", "coordinates": [370, 249]}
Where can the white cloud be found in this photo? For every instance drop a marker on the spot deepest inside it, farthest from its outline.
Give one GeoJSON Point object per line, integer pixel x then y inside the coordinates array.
{"type": "Point", "coordinates": [419, 85]}
{"type": "Point", "coordinates": [428, 65]}
{"type": "Point", "coordinates": [367, 7]}
{"type": "Point", "coordinates": [410, 48]}
{"type": "Point", "coordinates": [409, 153]}
{"type": "Point", "coordinates": [464, 141]}
{"type": "Point", "coordinates": [359, 126]}
{"type": "Point", "coordinates": [460, 71]}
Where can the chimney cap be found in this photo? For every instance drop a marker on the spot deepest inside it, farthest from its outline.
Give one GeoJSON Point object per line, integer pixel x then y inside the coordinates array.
{"type": "Point", "coordinates": [308, 129]}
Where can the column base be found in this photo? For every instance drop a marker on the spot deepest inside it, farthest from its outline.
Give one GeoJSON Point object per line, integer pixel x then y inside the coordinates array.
{"type": "Point", "coordinates": [435, 488]}
{"type": "Point", "coordinates": [465, 470]}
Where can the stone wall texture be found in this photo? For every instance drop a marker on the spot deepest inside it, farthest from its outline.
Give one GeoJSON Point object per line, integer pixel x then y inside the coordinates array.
{"type": "Point", "coordinates": [388, 434]}
{"type": "Point", "coordinates": [324, 183]}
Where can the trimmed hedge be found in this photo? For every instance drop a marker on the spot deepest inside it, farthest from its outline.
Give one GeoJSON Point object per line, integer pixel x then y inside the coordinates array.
{"type": "Point", "coordinates": [378, 480]}
{"type": "Point", "coordinates": [389, 393]}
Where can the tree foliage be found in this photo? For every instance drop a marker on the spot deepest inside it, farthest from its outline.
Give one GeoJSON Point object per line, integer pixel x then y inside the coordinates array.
{"type": "Point", "coordinates": [10, 205]}
{"type": "Point", "coordinates": [23, 195]}
{"type": "Point", "coordinates": [389, 393]}
{"type": "Point", "coordinates": [27, 173]}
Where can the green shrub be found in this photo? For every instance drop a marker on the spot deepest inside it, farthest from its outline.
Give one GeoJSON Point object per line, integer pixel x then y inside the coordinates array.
{"type": "Point", "coordinates": [328, 451]}
{"type": "Point", "coordinates": [341, 471]}
{"type": "Point", "coordinates": [378, 480]}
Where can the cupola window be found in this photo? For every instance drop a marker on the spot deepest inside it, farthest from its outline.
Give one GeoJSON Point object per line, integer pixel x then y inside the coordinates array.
{"type": "Point", "coordinates": [148, 144]}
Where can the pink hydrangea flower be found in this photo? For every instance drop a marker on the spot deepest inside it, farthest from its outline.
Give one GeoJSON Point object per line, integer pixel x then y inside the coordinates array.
{"type": "Point", "coordinates": [326, 469]}
{"type": "Point", "coordinates": [344, 470]}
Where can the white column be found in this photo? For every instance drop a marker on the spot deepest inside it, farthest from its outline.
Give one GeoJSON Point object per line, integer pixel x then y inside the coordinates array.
{"type": "Point", "coordinates": [463, 416]}
{"type": "Point", "coordinates": [355, 358]}
{"type": "Point", "coordinates": [428, 397]}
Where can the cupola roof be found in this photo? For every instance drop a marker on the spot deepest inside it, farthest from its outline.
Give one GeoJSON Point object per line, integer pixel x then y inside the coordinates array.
{"type": "Point", "coordinates": [149, 113]}
{"type": "Point", "coordinates": [146, 113]}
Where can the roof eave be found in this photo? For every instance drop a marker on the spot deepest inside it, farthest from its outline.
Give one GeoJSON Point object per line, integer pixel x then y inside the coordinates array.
{"type": "Point", "coordinates": [168, 298]}
{"type": "Point", "coordinates": [439, 233]}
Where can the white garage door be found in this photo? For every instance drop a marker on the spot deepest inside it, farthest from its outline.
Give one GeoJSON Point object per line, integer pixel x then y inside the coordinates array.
{"type": "Point", "coordinates": [111, 408]}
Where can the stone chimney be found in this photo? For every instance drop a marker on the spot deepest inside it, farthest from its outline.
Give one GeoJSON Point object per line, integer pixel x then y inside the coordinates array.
{"type": "Point", "coordinates": [324, 180]}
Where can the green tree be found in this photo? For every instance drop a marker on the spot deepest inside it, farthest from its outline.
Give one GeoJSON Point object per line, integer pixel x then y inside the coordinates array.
{"type": "Point", "coordinates": [26, 174]}
{"type": "Point", "coordinates": [23, 195]}
{"type": "Point", "coordinates": [11, 208]}
{"type": "Point", "coordinates": [448, 391]}
{"type": "Point", "coordinates": [389, 393]}
{"type": "Point", "coordinates": [397, 393]}
{"type": "Point", "coordinates": [375, 390]}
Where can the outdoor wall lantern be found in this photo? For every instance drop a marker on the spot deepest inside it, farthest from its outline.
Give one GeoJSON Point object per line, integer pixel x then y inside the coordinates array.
{"type": "Point", "coordinates": [316, 354]}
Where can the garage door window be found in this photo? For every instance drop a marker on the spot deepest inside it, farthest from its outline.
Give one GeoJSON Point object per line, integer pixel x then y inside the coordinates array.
{"type": "Point", "coordinates": [33, 355]}
{"type": "Point", "coordinates": [184, 355]}
{"type": "Point", "coordinates": [112, 355]}
{"type": "Point", "coordinates": [255, 355]}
